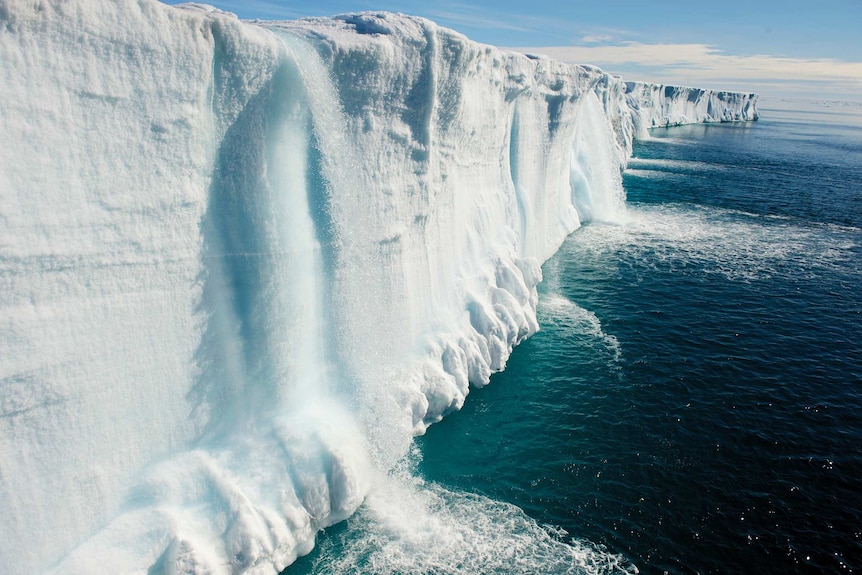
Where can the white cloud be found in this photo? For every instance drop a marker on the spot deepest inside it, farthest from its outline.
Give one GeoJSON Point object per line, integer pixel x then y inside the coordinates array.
{"type": "Point", "coordinates": [473, 20]}
{"type": "Point", "coordinates": [596, 38]}
{"type": "Point", "coordinates": [707, 66]}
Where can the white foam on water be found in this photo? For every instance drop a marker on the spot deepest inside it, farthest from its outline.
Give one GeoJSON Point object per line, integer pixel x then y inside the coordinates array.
{"type": "Point", "coordinates": [408, 525]}
{"type": "Point", "coordinates": [737, 245]}
{"type": "Point", "coordinates": [655, 164]}
{"type": "Point", "coordinates": [577, 322]}
{"type": "Point", "coordinates": [653, 174]}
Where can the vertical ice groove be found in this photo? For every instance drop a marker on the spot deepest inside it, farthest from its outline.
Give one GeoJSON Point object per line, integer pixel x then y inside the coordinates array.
{"type": "Point", "coordinates": [523, 205]}
{"type": "Point", "coordinates": [263, 345]}
{"type": "Point", "coordinates": [422, 101]}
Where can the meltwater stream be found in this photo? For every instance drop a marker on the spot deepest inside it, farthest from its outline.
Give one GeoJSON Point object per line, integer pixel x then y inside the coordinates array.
{"type": "Point", "coordinates": [693, 401]}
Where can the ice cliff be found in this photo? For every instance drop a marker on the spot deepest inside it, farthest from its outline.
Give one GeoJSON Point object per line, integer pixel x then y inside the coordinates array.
{"type": "Point", "coordinates": [656, 105]}
{"type": "Point", "coordinates": [242, 265]}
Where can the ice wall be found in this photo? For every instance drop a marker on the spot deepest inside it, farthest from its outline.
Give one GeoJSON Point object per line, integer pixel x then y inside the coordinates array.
{"type": "Point", "coordinates": [243, 265]}
{"type": "Point", "coordinates": [656, 105]}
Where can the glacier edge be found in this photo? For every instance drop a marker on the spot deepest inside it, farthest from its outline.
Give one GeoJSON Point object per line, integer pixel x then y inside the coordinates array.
{"type": "Point", "coordinates": [244, 264]}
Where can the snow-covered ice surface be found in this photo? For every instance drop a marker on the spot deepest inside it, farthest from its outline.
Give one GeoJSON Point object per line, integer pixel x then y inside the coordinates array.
{"type": "Point", "coordinates": [242, 265]}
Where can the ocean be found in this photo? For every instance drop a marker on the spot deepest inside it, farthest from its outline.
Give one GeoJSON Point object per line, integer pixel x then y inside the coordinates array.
{"type": "Point", "coordinates": [693, 401]}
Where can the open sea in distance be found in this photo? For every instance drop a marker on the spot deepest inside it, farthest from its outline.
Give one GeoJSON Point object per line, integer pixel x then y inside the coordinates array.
{"type": "Point", "coordinates": [693, 401]}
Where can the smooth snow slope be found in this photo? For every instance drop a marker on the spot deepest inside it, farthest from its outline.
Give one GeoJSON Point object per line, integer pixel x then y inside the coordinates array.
{"type": "Point", "coordinates": [242, 266]}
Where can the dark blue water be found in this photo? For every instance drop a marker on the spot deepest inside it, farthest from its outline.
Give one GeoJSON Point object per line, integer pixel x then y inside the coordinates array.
{"type": "Point", "coordinates": [694, 399]}
{"type": "Point", "coordinates": [693, 402]}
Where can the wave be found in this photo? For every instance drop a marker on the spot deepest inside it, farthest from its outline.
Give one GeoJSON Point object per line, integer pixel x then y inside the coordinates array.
{"type": "Point", "coordinates": [737, 245]}
{"type": "Point", "coordinates": [409, 525]}
{"type": "Point", "coordinates": [665, 165]}
{"type": "Point", "coordinates": [574, 321]}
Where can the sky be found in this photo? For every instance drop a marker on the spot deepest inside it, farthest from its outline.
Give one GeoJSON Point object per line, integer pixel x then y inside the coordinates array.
{"type": "Point", "coordinates": [777, 48]}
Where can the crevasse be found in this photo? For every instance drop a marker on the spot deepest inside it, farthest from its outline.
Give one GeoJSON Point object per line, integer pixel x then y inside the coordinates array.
{"type": "Point", "coordinates": [244, 264]}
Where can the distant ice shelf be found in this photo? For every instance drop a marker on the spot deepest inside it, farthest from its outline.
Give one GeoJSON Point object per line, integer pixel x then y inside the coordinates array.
{"type": "Point", "coordinates": [243, 264]}
{"type": "Point", "coordinates": [657, 105]}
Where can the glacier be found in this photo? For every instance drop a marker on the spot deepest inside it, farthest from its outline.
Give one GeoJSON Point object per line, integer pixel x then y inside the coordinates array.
{"type": "Point", "coordinates": [657, 105]}
{"type": "Point", "coordinates": [243, 264]}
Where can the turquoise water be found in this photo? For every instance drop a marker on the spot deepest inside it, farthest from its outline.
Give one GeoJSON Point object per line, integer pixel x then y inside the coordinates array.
{"type": "Point", "coordinates": [693, 402]}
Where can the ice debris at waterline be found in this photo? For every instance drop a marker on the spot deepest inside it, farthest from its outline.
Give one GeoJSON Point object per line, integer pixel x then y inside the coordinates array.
{"type": "Point", "coordinates": [242, 264]}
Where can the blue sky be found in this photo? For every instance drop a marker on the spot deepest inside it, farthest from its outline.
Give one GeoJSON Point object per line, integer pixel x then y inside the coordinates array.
{"type": "Point", "coordinates": [809, 48]}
